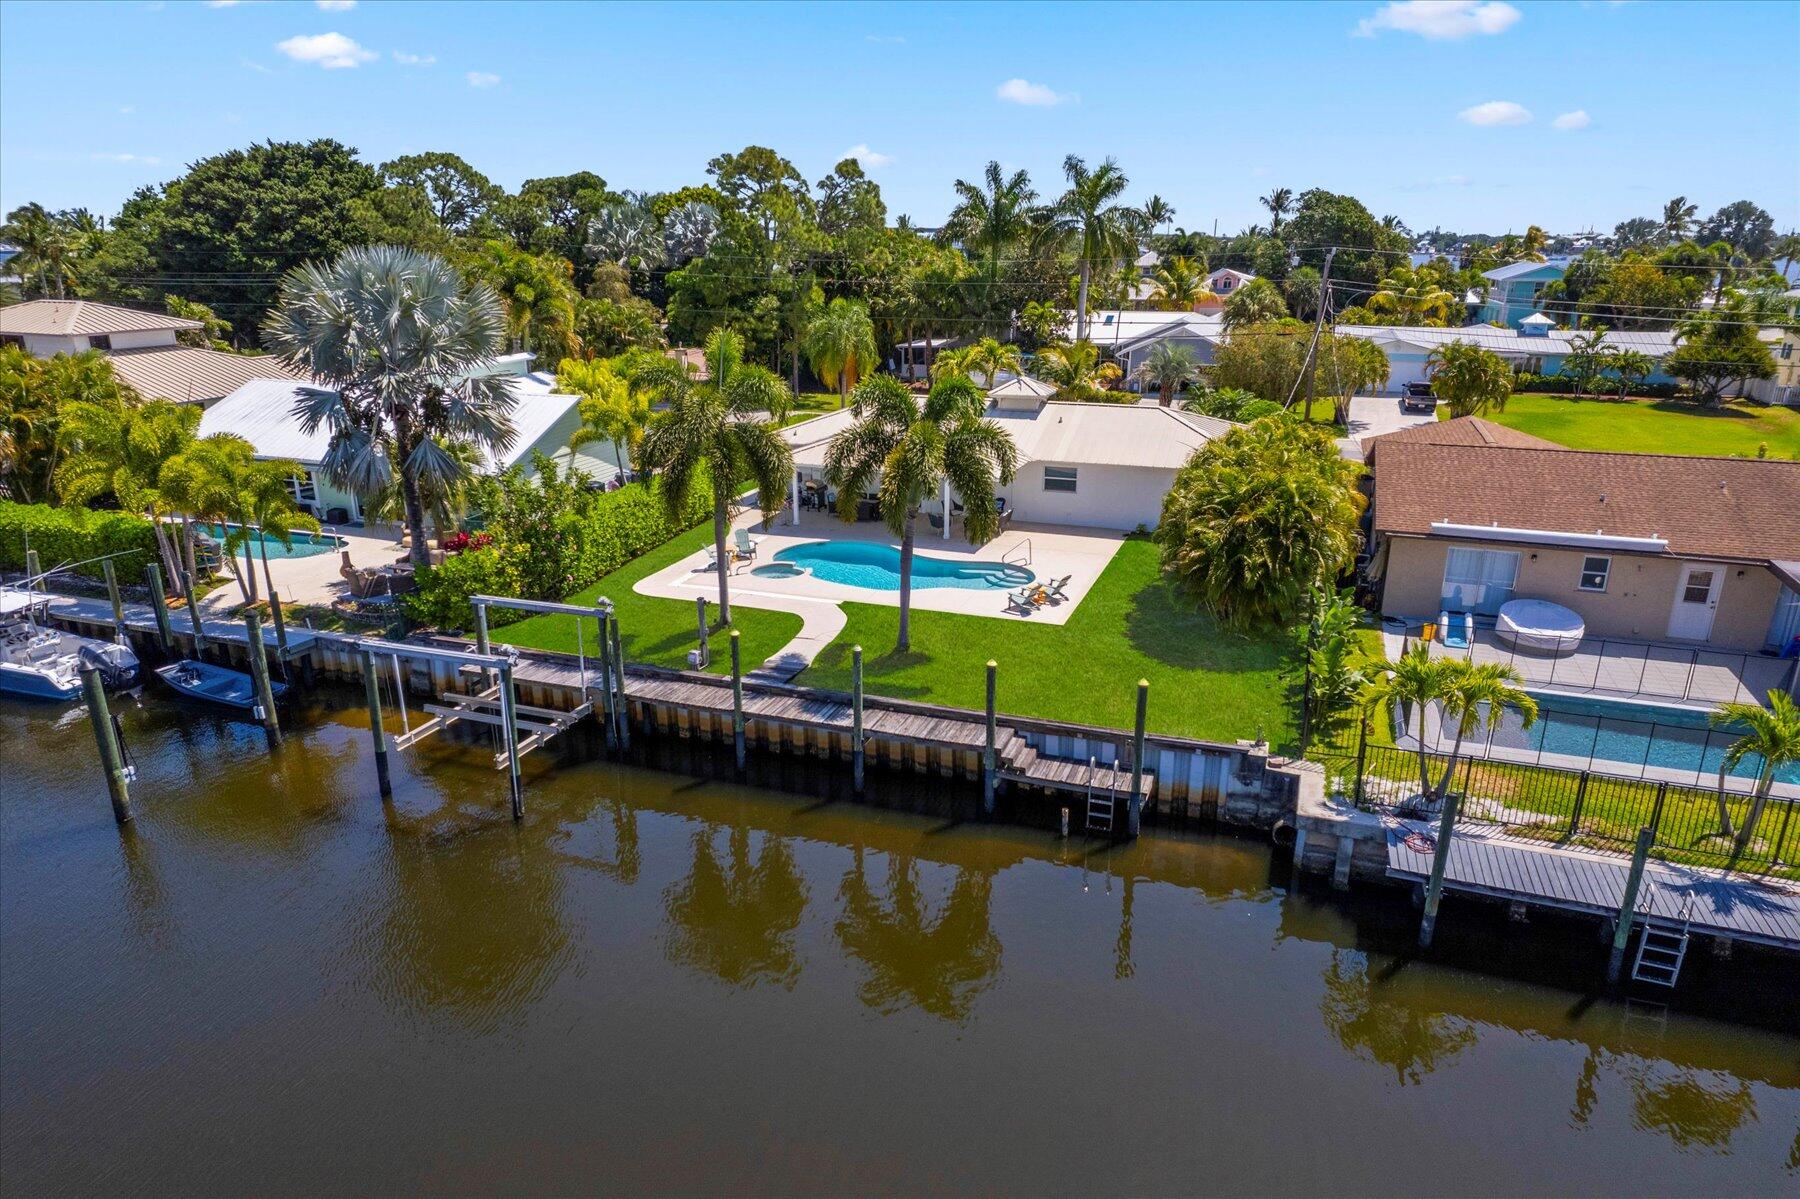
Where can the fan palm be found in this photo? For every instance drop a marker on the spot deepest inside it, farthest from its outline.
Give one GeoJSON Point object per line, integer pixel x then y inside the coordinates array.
{"type": "Point", "coordinates": [610, 408]}
{"type": "Point", "coordinates": [1090, 216]}
{"type": "Point", "coordinates": [1254, 303]}
{"type": "Point", "coordinates": [1279, 202]}
{"type": "Point", "coordinates": [1772, 736]}
{"type": "Point", "coordinates": [840, 345]}
{"type": "Point", "coordinates": [912, 448]}
{"type": "Point", "coordinates": [712, 434]}
{"type": "Point", "coordinates": [994, 215]}
{"type": "Point", "coordinates": [398, 338]}
{"type": "Point", "coordinates": [1171, 366]}
{"type": "Point", "coordinates": [1180, 283]}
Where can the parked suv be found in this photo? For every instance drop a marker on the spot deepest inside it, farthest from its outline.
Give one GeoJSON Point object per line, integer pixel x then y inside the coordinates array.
{"type": "Point", "coordinates": [1417, 397]}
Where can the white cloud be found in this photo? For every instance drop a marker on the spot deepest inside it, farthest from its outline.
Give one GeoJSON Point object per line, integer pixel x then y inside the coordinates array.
{"type": "Point", "coordinates": [1578, 119]}
{"type": "Point", "coordinates": [885, 39]}
{"type": "Point", "coordinates": [1441, 20]}
{"type": "Point", "coordinates": [1496, 112]}
{"type": "Point", "coordinates": [865, 157]}
{"type": "Point", "coordinates": [335, 5]}
{"type": "Point", "coordinates": [146, 159]}
{"type": "Point", "coordinates": [414, 60]}
{"type": "Point", "coordinates": [250, 64]}
{"type": "Point", "coordinates": [1037, 95]}
{"type": "Point", "coordinates": [333, 51]}
{"type": "Point", "coordinates": [482, 78]}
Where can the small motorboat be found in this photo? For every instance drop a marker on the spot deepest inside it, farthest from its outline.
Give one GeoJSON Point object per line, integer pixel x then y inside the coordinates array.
{"type": "Point", "coordinates": [33, 661]}
{"type": "Point", "coordinates": [215, 684]}
{"type": "Point", "coordinates": [24, 622]}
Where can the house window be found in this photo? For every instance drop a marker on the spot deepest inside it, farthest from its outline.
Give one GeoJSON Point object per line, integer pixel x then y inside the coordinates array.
{"type": "Point", "coordinates": [1533, 364]}
{"type": "Point", "coordinates": [1594, 572]}
{"type": "Point", "coordinates": [1059, 478]}
{"type": "Point", "coordinates": [100, 341]}
{"type": "Point", "coordinates": [303, 489]}
{"type": "Point", "coordinates": [1478, 581]}
{"type": "Point", "coordinates": [13, 339]}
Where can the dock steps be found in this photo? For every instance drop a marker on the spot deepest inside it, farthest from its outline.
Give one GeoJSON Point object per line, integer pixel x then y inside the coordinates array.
{"type": "Point", "coordinates": [1661, 951]}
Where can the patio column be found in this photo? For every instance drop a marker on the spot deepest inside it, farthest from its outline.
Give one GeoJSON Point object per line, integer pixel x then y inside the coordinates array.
{"type": "Point", "coordinates": [794, 498]}
{"type": "Point", "coordinates": [946, 507]}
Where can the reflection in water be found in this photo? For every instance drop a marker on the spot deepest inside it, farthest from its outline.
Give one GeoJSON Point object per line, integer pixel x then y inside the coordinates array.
{"type": "Point", "coordinates": [1694, 1109]}
{"type": "Point", "coordinates": [627, 856]}
{"type": "Point", "coordinates": [937, 963]}
{"type": "Point", "coordinates": [736, 920]}
{"type": "Point", "coordinates": [1414, 1041]}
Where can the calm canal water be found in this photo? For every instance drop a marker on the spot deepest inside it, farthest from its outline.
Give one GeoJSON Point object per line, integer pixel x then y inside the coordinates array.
{"type": "Point", "coordinates": [662, 983]}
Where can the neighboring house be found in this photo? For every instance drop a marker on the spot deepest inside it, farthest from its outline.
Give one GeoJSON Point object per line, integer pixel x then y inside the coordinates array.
{"type": "Point", "coordinates": [1224, 281]}
{"type": "Point", "coordinates": [1650, 547]}
{"type": "Point", "coordinates": [1127, 337]}
{"type": "Point", "coordinates": [1534, 347]}
{"type": "Point", "coordinates": [692, 360]}
{"type": "Point", "coordinates": [1515, 291]}
{"type": "Point", "coordinates": [143, 347]}
{"type": "Point", "coordinates": [1103, 466]}
{"type": "Point", "coordinates": [1784, 346]}
{"type": "Point", "coordinates": [262, 412]}
{"type": "Point", "coordinates": [911, 360]}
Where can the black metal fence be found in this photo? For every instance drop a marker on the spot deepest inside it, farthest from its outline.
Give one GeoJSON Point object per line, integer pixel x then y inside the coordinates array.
{"type": "Point", "coordinates": [1699, 825]}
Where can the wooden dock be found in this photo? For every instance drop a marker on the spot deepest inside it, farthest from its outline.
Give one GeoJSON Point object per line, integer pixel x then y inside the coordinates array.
{"type": "Point", "coordinates": [1481, 862]}
{"type": "Point", "coordinates": [94, 618]}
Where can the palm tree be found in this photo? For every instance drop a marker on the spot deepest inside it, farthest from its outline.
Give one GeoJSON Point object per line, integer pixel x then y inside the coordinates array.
{"type": "Point", "coordinates": [1075, 368]}
{"type": "Point", "coordinates": [1415, 681]}
{"type": "Point", "coordinates": [840, 345]}
{"type": "Point", "coordinates": [1157, 212]}
{"type": "Point", "coordinates": [221, 478]}
{"type": "Point", "coordinates": [398, 338]}
{"type": "Point", "coordinates": [1040, 320]}
{"type": "Point", "coordinates": [1279, 202]}
{"type": "Point", "coordinates": [47, 243]}
{"type": "Point", "coordinates": [913, 448]}
{"type": "Point", "coordinates": [993, 216]}
{"type": "Point", "coordinates": [1180, 283]}
{"type": "Point", "coordinates": [713, 434]}
{"type": "Point", "coordinates": [1090, 215]}
{"type": "Point", "coordinates": [1632, 367]}
{"type": "Point", "coordinates": [1678, 218]}
{"type": "Point", "coordinates": [1414, 296]}
{"type": "Point", "coordinates": [1474, 693]}
{"type": "Point", "coordinates": [1256, 302]}
{"type": "Point", "coordinates": [121, 448]}
{"type": "Point", "coordinates": [446, 500]}
{"type": "Point", "coordinates": [1171, 366]}
{"type": "Point", "coordinates": [610, 408]}
{"type": "Point", "coordinates": [1771, 734]}
{"type": "Point", "coordinates": [986, 358]}
{"type": "Point", "coordinates": [1469, 379]}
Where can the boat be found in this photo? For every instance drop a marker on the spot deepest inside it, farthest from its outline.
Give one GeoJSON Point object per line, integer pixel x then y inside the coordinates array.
{"type": "Point", "coordinates": [24, 622]}
{"type": "Point", "coordinates": [214, 684]}
{"type": "Point", "coordinates": [33, 662]}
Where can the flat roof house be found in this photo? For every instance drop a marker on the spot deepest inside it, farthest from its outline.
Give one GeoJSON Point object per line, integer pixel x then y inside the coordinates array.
{"type": "Point", "coordinates": [143, 346]}
{"type": "Point", "coordinates": [1650, 547]}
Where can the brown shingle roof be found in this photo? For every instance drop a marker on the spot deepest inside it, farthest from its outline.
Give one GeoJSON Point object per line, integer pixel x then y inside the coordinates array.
{"type": "Point", "coordinates": [185, 373]}
{"type": "Point", "coordinates": [77, 318]}
{"type": "Point", "coordinates": [1710, 507]}
{"type": "Point", "coordinates": [1463, 430]}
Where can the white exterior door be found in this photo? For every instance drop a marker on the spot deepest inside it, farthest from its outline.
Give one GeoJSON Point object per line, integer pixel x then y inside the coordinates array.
{"type": "Point", "coordinates": [1696, 599]}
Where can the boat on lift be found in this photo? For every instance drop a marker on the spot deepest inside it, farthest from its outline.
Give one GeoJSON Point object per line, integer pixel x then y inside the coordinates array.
{"type": "Point", "coordinates": [33, 662]}
{"type": "Point", "coordinates": [215, 684]}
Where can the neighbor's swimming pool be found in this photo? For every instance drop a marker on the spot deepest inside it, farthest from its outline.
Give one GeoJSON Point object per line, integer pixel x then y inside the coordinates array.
{"type": "Point", "coordinates": [876, 565]}
{"type": "Point", "coordinates": [1624, 738]}
{"type": "Point", "coordinates": [303, 544]}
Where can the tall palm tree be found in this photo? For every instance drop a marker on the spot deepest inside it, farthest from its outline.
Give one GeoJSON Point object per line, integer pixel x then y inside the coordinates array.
{"type": "Point", "coordinates": [47, 246]}
{"type": "Point", "coordinates": [912, 448]}
{"type": "Point", "coordinates": [1771, 734]}
{"type": "Point", "coordinates": [1415, 681]}
{"type": "Point", "coordinates": [1171, 366]}
{"type": "Point", "coordinates": [1279, 202]}
{"type": "Point", "coordinates": [993, 216]}
{"type": "Point", "coordinates": [1678, 218]}
{"type": "Point", "coordinates": [1157, 212]}
{"type": "Point", "coordinates": [610, 408]}
{"type": "Point", "coordinates": [1180, 283]}
{"type": "Point", "coordinates": [713, 434]}
{"type": "Point", "coordinates": [840, 345]}
{"type": "Point", "coordinates": [221, 477]}
{"type": "Point", "coordinates": [397, 337]}
{"type": "Point", "coordinates": [1090, 216]}
{"type": "Point", "coordinates": [121, 448]}
{"type": "Point", "coordinates": [1474, 693]}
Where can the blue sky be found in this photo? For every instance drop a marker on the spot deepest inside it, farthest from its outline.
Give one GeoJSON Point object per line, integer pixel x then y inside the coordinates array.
{"type": "Point", "coordinates": [1444, 114]}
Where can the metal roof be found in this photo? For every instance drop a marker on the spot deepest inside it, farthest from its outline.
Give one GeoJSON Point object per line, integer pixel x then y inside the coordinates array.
{"type": "Point", "coordinates": [1513, 270]}
{"type": "Point", "coordinates": [1505, 341]}
{"type": "Point", "coordinates": [1110, 328]}
{"type": "Point", "coordinates": [76, 318]}
{"type": "Point", "coordinates": [184, 373]}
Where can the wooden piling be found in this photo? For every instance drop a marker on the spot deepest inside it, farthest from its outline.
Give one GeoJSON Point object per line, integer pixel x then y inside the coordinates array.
{"type": "Point", "coordinates": [621, 703]}
{"type": "Point", "coordinates": [856, 716]}
{"type": "Point", "coordinates": [737, 700]}
{"type": "Point", "coordinates": [1134, 807]}
{"type": "Point", "coordinates": [606, 668]}
{"type": "Point", "coordinates": [705, 643]}
{"type": "Point", "coordinates": [1628, 904]}
{"type": "Point", "coordinates": [510, 724]}
{"type": "Point", "coordinates": [988, 745]}
{"type": "Point", "coordinates": [32, 581]}
{"type": "Point", "coordinates": [1440, 859]}
{"type": "Point", "coordinates": [372, 696]}
{"type": "Point", "coordinates": [112, 759]}
{"type": "Point", "coordinates": [259, 671]}
{"type": "Point", "coordinates": [159, 604]}
{"type": "Point", "coordinates": [112, 594]}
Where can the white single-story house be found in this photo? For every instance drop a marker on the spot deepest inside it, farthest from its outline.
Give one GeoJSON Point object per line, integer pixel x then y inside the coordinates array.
{"type": "Point", "coordinates": [1127, 336]}
{"type": "Point", "coordinates": [143, 346]}
{"type": "Point", "coordinates": [1534, 347]}
{"type": "Point", "coordinates": [1103, 466]}
{"type": "Point", "coordinates": [911, 360]}
{"type": "Point", "coordinates": [262, 412]}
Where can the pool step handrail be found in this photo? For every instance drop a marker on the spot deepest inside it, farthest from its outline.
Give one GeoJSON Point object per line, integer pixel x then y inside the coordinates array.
{"type": "Point", "coordinates": [1024, 545]}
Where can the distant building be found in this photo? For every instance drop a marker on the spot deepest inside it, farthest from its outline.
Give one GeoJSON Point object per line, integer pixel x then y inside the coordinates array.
{"type": "Point", "coordinates": [1127, 337]}
{"type": "Point", "coordinates": [1224, 281]}
{"type": "Point", "coordinates": [1532, 348]}
{"type": "Point", "coordinates": [1515, 291]}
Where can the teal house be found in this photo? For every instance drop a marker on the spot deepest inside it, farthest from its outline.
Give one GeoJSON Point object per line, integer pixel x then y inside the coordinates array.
{"type": "Point", "coordinates": [1515, 291]}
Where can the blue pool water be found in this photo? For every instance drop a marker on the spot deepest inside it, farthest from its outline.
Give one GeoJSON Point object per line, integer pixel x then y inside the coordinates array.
{"type": "Point", "coordinates": [1625, 737]}
{"type": "Point", "coordinates": [876, 565]}
{"type": "Point", "coordinates": [305, 545]}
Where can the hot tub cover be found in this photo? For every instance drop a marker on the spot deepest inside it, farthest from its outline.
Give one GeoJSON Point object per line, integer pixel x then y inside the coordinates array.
{"type": "Point", "coordinates": [1539, 624]}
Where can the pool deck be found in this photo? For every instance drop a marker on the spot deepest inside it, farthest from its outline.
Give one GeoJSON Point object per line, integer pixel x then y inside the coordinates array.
{"type": "Point", "coordinates": [313, 579]}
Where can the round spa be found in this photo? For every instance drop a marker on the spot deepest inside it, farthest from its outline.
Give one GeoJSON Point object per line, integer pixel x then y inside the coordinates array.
{"type": "Point", "coordinates": [1540, 625]}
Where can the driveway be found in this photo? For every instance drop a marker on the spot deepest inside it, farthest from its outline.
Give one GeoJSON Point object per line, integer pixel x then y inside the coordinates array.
{"type": "Point", "coordinates": [1371, 416]}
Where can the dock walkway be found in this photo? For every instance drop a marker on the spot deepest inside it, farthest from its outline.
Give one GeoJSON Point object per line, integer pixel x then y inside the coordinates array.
{"type": "Point", "coordinates": [139, 618]}
{"type": "Point", "coordinates": [1484, 862]}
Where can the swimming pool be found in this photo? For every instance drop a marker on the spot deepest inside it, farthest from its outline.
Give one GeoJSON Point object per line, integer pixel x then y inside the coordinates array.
{"type": "Point", "coordinates": [876, 566]}
{"type": "Point", "coordinates": [1624, 738]}
{"type": "Point", "coordinates": [304, 544]}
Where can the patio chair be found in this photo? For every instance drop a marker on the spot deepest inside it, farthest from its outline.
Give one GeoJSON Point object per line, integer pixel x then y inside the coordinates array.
{"type": "Point", "coordinates": [1056, 591]}
{"type": "Point", "coordinates": [744, 543]}
{"type": "Point", "coordinates": [1027, 599]}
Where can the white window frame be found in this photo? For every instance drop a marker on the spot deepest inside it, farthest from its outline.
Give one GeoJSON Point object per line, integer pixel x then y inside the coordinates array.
{"type": "Point", "coordinates": [1605, 573]}
{"type": "Point", "coordinates": [1063, 474]}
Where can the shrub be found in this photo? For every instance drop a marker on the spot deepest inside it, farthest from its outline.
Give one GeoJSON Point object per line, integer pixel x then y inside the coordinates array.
{"type": "Point", "coordinates": [75, 534]}
{"type": "Point", "coordinates": [1563, 385]}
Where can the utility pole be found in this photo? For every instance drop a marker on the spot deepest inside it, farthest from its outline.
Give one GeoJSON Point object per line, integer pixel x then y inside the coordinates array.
{"type": "Point", "coordinates": [1312, 350]}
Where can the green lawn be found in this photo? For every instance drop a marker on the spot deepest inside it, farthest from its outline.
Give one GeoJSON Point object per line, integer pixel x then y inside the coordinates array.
{"type": "Point", "coordinates": [1653, 426]}
{"type": "Point", "coordinates": [660, 631]}
{"type": "Point", "coordinates": [1204, 681]}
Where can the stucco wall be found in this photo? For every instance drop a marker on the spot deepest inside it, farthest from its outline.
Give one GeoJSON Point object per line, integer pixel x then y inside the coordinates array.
{"type": "Point", "coordinates": [1639, 595]}
{"type": "Point", "coordinates": [142, 338]}
{"type": "Point", "coordinates": [1106, 497]}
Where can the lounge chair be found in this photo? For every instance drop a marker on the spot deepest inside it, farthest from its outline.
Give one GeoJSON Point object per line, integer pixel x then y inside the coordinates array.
{"type": "Point", "coordinates": [1027, 599]}
{"type": "Point", "coordinates": [743, 543]}
{"type": "Point", "coordinates": [1055, 592]}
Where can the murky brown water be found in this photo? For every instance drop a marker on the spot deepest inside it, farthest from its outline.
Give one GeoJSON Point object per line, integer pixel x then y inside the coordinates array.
{"type": "Point", "coordinates": [658, 983]}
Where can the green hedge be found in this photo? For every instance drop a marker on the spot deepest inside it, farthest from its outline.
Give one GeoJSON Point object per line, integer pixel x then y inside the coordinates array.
{"type": "Point", "coordinates": [75, 534]}
{"type": "Point", "coordinates": [1605, 385]}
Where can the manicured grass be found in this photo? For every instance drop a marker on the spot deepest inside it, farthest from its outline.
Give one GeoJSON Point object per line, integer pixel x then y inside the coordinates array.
{"type": "Point", "coordinates": [1204, 681]}
{"type": "Point", "coordinates": [1653, 426]}
{"type": "Point", "coordinates": [660, 631]}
